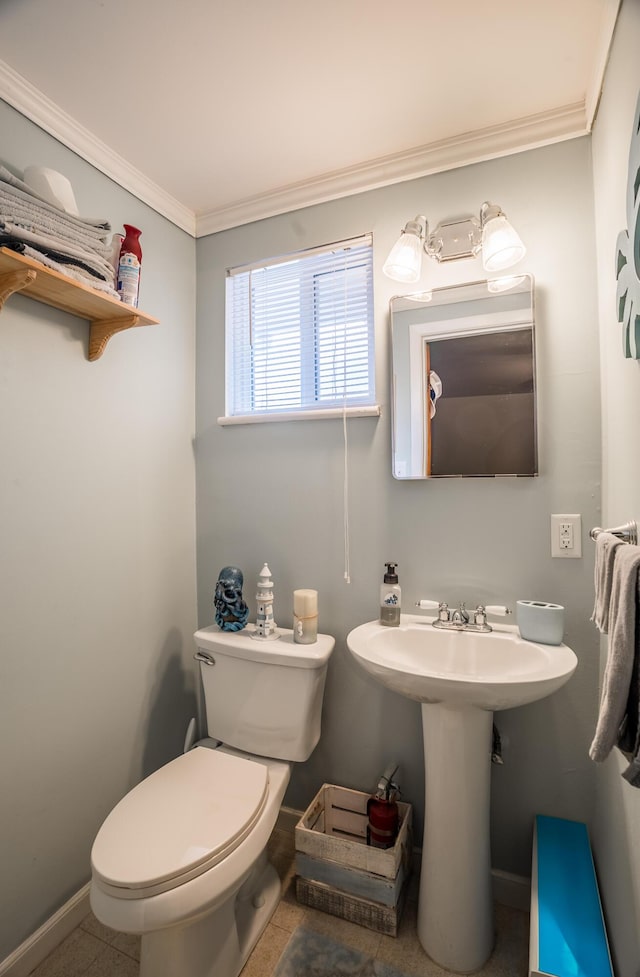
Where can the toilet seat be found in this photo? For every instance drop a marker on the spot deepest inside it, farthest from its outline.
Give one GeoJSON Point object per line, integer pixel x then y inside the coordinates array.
{"type": "Point", "coordinates": [178, 823]}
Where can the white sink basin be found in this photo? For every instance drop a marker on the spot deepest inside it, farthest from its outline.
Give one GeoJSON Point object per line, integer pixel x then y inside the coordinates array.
{"type": "Point", "coordinates": [491, 671]}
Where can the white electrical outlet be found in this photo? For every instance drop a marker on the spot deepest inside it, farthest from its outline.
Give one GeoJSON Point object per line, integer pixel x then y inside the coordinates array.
{"type": "Point", "coordinates": [566, 536]}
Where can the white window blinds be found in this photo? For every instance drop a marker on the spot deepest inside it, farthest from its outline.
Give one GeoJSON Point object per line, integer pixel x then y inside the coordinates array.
{"type": "Point", "coordinates": [299, 332]}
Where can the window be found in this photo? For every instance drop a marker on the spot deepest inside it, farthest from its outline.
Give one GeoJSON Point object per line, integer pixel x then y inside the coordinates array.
{"type": "Point", "coordinates": [299, 334]}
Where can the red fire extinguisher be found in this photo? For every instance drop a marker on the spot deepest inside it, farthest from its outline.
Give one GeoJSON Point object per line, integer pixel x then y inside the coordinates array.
{"type": "Point", "coordinates": [382, 812]}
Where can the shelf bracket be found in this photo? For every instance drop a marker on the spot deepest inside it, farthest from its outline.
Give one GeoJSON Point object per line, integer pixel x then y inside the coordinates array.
{"type": "Point", "coordinates": [13, 281]}
{"type": "Point", "coordinates": [103, 329]}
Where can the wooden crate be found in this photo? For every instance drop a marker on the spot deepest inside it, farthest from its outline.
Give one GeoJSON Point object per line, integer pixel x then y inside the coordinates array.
{"type": "Point", "coordinates": [339, 873]}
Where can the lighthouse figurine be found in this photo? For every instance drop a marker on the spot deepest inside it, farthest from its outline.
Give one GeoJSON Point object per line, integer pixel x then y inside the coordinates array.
{"type": "Point", "coordinates": [265, 625]}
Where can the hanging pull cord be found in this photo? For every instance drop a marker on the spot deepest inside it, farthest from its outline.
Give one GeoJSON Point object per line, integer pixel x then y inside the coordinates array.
{"type": "Point", "coordinates": [345, 499]}
{"type": "Point", "coordinates": [347, 555]}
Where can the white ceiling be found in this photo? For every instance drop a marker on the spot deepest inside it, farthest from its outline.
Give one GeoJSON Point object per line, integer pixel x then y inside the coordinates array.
{"type": "Point", "coordinates": [220, 113]}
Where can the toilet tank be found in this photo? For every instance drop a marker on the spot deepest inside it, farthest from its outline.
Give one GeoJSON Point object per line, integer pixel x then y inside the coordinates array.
{"type": "Point", "coordinates": [263, 696]}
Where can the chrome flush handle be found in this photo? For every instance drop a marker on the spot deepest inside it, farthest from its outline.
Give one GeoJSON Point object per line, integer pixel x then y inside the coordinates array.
{"type": "Point", "coordinates": [204, 657]}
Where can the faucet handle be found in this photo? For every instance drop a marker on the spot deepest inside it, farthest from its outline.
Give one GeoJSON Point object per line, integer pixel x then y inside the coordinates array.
{"type": "Point", "coordinates": [498, 609]}
{"type": "Point", "coordinates": [439, 605]}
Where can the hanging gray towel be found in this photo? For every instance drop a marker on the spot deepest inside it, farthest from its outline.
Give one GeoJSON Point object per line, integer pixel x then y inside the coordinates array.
{"type": "Point", "coordinates": [629, 739]}
{"type": "Point", "coordinates": [496, 746]}
{"type": "Point", "coordinates": [606, 546]}
{"type": "Point", "coordinates": [623, 649]}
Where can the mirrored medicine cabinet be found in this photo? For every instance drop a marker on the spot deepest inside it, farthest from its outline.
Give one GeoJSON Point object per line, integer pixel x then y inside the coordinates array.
{"type": "Point", "coordinates": [463, 389]}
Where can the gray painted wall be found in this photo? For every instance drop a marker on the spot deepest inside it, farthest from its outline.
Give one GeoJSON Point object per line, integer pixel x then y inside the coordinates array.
{"type": "Point", "coordinates": [617, 827]}
{"type": "Point", "coordinates": [274, 491]}
{"type": "Point", "coordinates": [97, 536]}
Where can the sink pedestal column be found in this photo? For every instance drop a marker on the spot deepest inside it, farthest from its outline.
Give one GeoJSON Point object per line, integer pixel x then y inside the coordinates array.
{"type": "Point", "coordinates": [455, 910]}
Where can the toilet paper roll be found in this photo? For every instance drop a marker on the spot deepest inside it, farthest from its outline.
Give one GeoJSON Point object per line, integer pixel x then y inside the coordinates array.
{"type": "Point", "coordinates": [53, 186]}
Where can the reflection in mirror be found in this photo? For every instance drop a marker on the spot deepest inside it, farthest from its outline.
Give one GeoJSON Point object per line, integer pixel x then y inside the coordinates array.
{"type": "Point", "coordinates": [463, 393]}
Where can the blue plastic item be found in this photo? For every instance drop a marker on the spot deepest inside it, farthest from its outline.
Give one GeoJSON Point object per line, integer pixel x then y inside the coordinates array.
{"type": "Point", "coordinates": [572, 941]}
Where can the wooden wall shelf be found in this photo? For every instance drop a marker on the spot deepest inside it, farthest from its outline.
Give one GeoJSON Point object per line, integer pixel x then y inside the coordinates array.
{"type": "Point", "coordinates": [107, 315]}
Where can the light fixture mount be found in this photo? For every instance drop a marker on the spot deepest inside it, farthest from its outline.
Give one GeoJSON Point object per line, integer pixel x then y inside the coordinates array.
{"type": "Point", "coordinates": [450, 240]}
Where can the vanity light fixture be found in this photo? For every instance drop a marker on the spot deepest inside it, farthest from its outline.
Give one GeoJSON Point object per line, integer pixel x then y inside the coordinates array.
{"type": "Point", "coordinates": [491, 233]}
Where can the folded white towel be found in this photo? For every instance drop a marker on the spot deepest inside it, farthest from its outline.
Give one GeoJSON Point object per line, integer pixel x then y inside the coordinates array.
{"type": "Point", "coordinates": [606, 546]}
{"type": "Point", "coordinates": [623, 648]}
{"type": "Point", "coordinates": [19, 207]}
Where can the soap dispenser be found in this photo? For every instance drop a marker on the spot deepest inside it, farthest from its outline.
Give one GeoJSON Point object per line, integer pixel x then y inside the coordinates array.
{"type": "Point", "coordinates": [390, 595]}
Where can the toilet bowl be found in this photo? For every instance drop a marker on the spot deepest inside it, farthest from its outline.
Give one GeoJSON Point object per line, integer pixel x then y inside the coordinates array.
{"type": "Point", "coordinates": [179, 847]}
{"type": "Point", "coordinates": [181, 860]}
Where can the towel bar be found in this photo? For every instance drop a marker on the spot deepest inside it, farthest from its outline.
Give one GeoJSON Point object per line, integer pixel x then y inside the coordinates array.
{"type": "Point", "coordinates": [628, 532]}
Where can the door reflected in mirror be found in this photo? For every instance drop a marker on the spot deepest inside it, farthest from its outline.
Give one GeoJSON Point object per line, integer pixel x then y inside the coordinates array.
{"type": "Point", "coordinates": [464, 392]}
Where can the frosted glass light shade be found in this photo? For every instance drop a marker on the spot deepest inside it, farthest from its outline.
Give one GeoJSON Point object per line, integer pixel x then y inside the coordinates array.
{"type": "Point", "coordinates": [501, 244]}
{"type": "Point", "coordinates": [405, 258]}
{"type": "Point", "coordinates": [497, 285]}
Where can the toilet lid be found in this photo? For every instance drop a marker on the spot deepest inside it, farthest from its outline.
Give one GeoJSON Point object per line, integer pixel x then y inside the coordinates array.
{"type": "Point", "coordinates": [180, 821]}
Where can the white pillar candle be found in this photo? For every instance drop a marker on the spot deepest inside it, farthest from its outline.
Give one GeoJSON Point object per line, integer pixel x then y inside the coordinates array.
{"type": "Point", "coordinates": [305, 603]}
{"type": "Point", "coordinates": [305, 616]}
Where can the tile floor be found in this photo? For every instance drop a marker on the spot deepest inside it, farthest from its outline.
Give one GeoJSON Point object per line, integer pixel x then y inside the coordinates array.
{"type": "Point", "coordinates": [92, 950]}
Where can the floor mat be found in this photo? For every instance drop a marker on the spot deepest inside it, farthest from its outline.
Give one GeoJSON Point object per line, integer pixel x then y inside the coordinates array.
{"type": "Point", "coordinates": [311, 954]}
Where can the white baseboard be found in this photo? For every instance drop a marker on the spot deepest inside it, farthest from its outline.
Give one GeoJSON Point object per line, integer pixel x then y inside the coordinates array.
{"type": "Point", "coordinates": [288, 817]}
{"type": "Point", "coordinates": [511, 890]}
{"type": "Point", "coordinates": [39, 945]}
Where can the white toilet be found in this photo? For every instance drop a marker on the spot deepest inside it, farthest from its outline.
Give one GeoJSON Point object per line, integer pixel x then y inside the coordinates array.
{"type": "Point", "coordinates": [182, 858]}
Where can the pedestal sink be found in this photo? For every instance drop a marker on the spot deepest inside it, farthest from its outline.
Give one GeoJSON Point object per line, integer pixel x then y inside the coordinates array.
{"type": "Point", "coordinates": [460, 678]}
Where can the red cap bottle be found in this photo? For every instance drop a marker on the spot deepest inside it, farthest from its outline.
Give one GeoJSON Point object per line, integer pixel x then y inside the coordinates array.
{"type": "Point", "coordinates": [129, 266]}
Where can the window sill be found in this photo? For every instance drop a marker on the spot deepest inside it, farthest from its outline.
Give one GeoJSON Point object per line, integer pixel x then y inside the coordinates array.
{"type": "Point", "coordinates": [302, 415]}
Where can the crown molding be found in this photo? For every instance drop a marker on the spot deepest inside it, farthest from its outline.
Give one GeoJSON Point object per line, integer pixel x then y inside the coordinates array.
{"type": "Point", "coordinates": [606, 31]}
{"type": "Point", "coordinates": [516, 136]}
{"type": "Point", "coordinates": [472, 147]}
{"type": "Point", "coordinates": [32, 103]}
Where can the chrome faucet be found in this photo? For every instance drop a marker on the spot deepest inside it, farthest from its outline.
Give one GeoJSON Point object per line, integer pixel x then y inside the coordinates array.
{"type": "Point", "coordinates": [460, 619]}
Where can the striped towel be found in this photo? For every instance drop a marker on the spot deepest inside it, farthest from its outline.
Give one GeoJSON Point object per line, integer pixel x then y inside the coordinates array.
{"type": "Point", "coordinates": [42, 242]}
{"type": "Point", "coordinates": [65, 265]}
